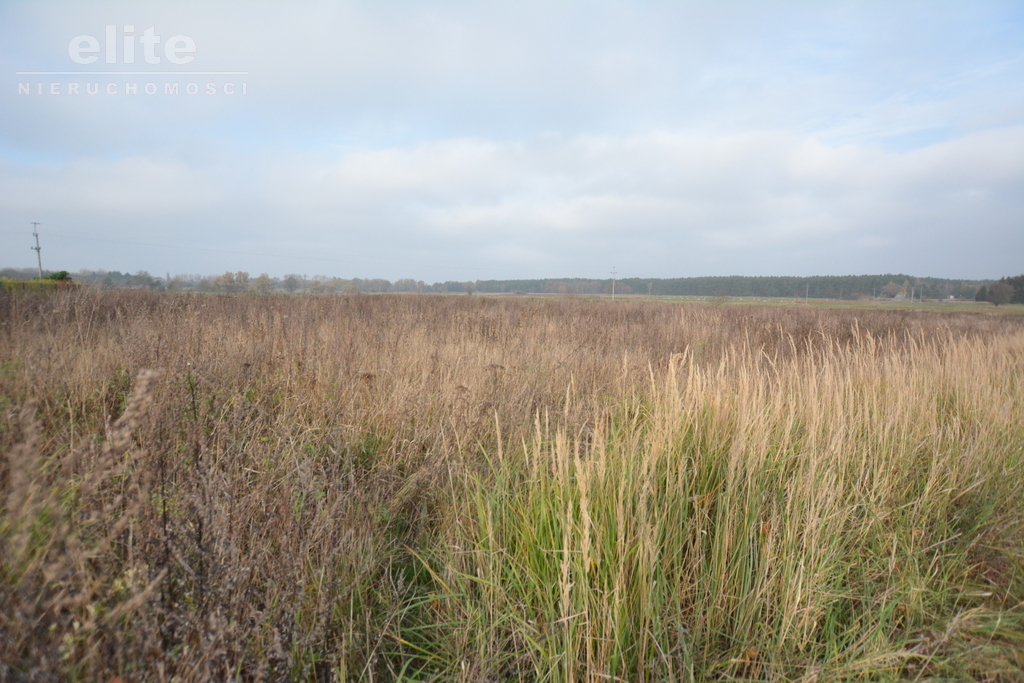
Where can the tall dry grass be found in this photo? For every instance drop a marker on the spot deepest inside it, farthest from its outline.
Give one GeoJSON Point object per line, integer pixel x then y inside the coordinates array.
{"type": "Point", "coordinates": [851, 512]}
{"type": "Point", "coordinates": [470, 488]}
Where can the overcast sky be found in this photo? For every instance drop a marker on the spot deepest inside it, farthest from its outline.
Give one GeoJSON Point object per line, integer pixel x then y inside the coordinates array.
{"type": "Point", "coordinates": [493, 140]}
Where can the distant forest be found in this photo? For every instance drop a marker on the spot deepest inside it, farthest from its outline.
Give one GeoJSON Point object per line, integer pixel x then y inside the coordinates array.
{"type": "Point", "coordinates": [816, 287]}
{"type": "Point", "coordinates": [845, 287]}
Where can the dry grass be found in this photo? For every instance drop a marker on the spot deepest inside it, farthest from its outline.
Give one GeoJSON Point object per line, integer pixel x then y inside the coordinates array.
{"type": "Point", "coordinates": [478, 489]}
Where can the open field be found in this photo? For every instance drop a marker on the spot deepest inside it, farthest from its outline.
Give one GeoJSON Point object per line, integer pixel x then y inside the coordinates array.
{"type": "Point", "coordinates": [498, 489]}
{"type": "Point", "coordinates": [926, 306]}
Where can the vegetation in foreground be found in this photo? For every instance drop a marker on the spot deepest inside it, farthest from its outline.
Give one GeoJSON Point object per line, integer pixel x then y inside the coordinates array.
{"type": "Point", "coordinates": [421, 488]}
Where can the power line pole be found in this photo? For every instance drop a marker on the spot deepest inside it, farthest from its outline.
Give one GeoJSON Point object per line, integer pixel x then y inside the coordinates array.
{"type": "Point", "coordinates": [38, 249]}
{"type": "Point", "coordinates": [613, 283]}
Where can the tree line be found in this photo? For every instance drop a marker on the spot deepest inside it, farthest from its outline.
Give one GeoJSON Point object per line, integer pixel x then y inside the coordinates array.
{"type": "Point", "coordinates": [1008, 290]}
{"type": "Point", "coordinates": [847, 287]}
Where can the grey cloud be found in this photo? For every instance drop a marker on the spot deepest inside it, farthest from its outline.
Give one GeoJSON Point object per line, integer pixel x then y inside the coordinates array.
{"type": "Point", "coordinates": [439, 140]}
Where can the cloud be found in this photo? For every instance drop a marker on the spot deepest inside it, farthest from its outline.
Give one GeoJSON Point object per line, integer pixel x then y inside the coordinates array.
{"type": "Point", "coordinates": [747, 196]}
{"type": "Point", "coordinates": [439, 139]}
{"type": "Point", "coordinates": [134, 186]}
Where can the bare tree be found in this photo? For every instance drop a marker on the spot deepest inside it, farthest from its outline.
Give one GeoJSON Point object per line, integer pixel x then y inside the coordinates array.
{"type": "Point", "coordinates": [263, 285]}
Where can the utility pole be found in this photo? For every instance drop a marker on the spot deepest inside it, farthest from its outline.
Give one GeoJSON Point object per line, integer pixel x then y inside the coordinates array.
{"type": "Point", "coordinates": [38, 249]}
{"type": "Point", "coordinates": [613, 283]}
{"type": "Point", "coordinates": [807, 291]}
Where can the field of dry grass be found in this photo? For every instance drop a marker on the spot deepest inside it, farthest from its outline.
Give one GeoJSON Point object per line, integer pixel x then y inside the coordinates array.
{"type": "Point", "coordinates": [465, 488]}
